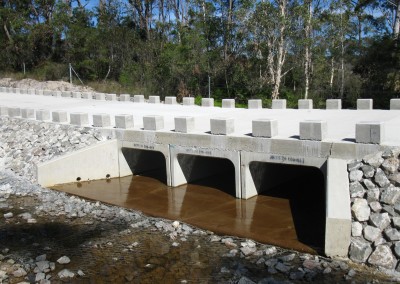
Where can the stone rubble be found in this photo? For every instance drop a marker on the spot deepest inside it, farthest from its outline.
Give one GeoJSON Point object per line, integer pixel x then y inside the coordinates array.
{"type": "Point", "coordinates": [375, 204]}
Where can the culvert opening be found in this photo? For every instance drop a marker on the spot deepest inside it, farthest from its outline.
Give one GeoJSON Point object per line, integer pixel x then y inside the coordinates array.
{"type": "Point", "coordinates": [304, 188]}
{"type": "Point", "coordinates": [146, 163]}
{"type": "Point", "coordinates": [218, 173]}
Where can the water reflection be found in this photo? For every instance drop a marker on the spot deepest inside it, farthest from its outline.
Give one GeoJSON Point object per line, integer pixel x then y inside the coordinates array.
{"type": "Point", "coordinates": [266, 219]}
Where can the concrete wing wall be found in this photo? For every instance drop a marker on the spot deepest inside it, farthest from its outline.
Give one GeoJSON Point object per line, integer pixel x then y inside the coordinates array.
{"type": "Point", "coordinates": [95, 162]}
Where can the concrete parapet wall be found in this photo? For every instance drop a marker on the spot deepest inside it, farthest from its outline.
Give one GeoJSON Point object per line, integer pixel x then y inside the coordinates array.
{"type": "Point", "coordinates": [305, 104]}
{"type": "Point", "coordinates": [207, 102]}
{"type": "Point", "coordinates": [228, 103]}
{"type": "Point", "coordinates": [77, 95]}
{"type": "Point", "coordinates": [124, 121]}
{"type": "Point", "coordinates": [370, 132]}
{"type": "Point", "coordinates": [138, 98]}
{"type": "Point", "coordinates": [28, 113]}
{"type": "Point", "coordinates": [313, 130]}
{"type": "Point", "coordinates": [395, 104]}
{"type": "Point", "coordinates": [111, 97]}
{"type": "Point", "coordinates": [60, 116]}
{"type": "Point", "coordinates": [278, 104]}
{"type": "Point", "coordinates": [170, 100]}
{"type": "Point", "coordinates": [334, 104]}
{"type": "Point", "coordinates": [222, 126]}
{"type": "Point", "coordinates": [184, 124]}
{"type": "Point", "coordinates": [153, 122]}
{"type": "Point", "coordinates": [101, 120]}
{"type": "Point", "coordinates": [154, 99]}
{"type": "Point", "coordinates": [124, 98]}
{"type": "Point", "coordinates": [265, 128]}
{"type": "Point", "coordinates": [64, 169]}
{"type": "Point", "coordinates": [79, 118]}
{"type": "Point", "coordinates": [100, 96]}
{"type": "Point", "coordinates": [87, 95]}
{"type": "Point", "coordinates": [3, 111]}
{"type": "Point", "coordinates": [14, 112]}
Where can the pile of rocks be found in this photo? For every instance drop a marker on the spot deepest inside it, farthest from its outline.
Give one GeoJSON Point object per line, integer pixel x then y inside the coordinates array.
{"type": "Point", "coordinates": [375, 207]}
{"type": "Point", "coordinates": [24, 143]}
{"type": "Point", "coordinates": [45, 85]}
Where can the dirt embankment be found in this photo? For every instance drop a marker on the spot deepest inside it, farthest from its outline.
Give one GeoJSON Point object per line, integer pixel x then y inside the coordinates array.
{"type": "Point", "coordinates": [46, 85]}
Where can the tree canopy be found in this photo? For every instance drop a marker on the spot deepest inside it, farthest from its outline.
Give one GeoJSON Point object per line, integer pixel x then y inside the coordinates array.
{"type": "Point", "coordinates": [265, 49]}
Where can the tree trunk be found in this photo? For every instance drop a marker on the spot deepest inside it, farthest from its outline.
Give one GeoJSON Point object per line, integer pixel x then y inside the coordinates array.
{"type": "Point", "coordinates": [281, 49]}
{"type": "Point", "coordinates": [307, 53]}
{"type": "Point", "coordinates": [332, 75]}
{"type": "Point", "coordinates": [396, 27]}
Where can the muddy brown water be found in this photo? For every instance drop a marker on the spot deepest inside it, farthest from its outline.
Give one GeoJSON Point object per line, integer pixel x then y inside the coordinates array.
{"type": "Point", "coordinates": [291, 216]}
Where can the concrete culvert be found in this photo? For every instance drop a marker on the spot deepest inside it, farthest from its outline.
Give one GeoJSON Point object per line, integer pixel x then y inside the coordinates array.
{"type": "Point", "coordinates": [212, 172]}
{"type": "Point", "coordinates": [146, 163]}
{"type": "Point", "coordinates": [304, 188]}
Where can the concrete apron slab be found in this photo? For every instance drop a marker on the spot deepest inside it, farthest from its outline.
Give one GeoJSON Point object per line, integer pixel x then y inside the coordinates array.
{"type": "Point", "coordinates": [181, 173]}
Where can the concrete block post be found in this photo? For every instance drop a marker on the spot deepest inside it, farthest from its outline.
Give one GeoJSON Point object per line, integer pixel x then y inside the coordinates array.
{"type": "Point", "coordinates": [207, 102]}
{"type": "Point", "coordinates": [265, 128]}
{"type": "Point", "coordinates": [305, 104]}
{"type": "Point", "coordinates": [47, 93]}
{"type": "Point", "coordinates": [66, 94]}
{"type": "Point", "coordinates": [313, 130]}
{"type": "Point", "coordinates": [184, 124]}
{"type": "Point", "coordinates": [370, 132]}
{"type": "Point", "coordinates": [23, 91]}
{"type": "Point", "coordinates": [254, 104]}
{"type": "Point", "coordinates": [154, 99]}
{"type": "Point", "coordinates": [222, 126]}
{"type": "Point", "coordinates": [39, 92]}
{"type": "Point", "coordinates": [58, 94]}
{"type": "Point", "coordinates": [100, 96]}
{"type": "Point", "coordinates": [111, 97]}
{"type": "Point", "coordinates": [278, 104]}
{"type": "Point", "coordinates": [79, 118]}
{"type": "Point", "coordinates": [32, 92]}
{"type": "Point", "coordinates": [170, 101]}
{"type": "Point", "coordinates": [153, 122]}
{"type": "Point", "coordinates": [43, 115]}
{"type": "Point", "coordinates": [87, 96]}
{"type": "Point", "coordinates": [28, 113]}
{"type": "Point", "coordinates": [124, 121]}
{"type": "Point", "coordinates": [3, 111]}
{"type": "Point", "coordinates": [124, 98]}
{"type": "Point", "coordinates": [77, 95]}
{"type": "Point", "coordinates": [365, 104]}
{"type": "Point", "coordinates": [2, 89]}
{"type": "Point", "coordinates": [188, 101]}
{"type": "Point", "coordinates": [228, 103]}
{"type": "Point", "coordinates": [395, 104]}
{"type": "Point", "coordinates": [14, 112]}
{"type": "Point", "coordinates": [334, 104]}
{"type": "Point", "coordinates": [60, 116]}
{"type": "Point", "coordinates": [101, 120]}
{"type": "Point", "coordinates": [17, 91]}
{"type": "Point", "coordinates": [138, 99]}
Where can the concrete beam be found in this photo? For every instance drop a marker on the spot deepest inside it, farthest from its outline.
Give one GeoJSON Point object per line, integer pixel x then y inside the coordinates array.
{"type": "Point", "coordinates": [334, 104]}
{"type": "Point", "coordinates": [188, 101]}
{"type": "Point", "coordinates": [101, 120]}
{"type": "Point", "coordinates": [79, 118]}
{"type": "Point", "coordinates": [138, 98]}
{"type": "Point", "coordinates": [170, 101]}
{"type": "Point", "coordinates": [254, 104]}
{"type": "Point", "coordinates": [228, 103]}
{"type": "Point", "coordinates": [104, 155]}
{"type": "Point", "coordinates": [154, 99]}
{"type": "Point", "coordinates": [43, 115]}
{"type": "Point", "coordinates": [100, 96]}
{"type": "Point", "coordinates": [265, 128]}
{"type": "Point", "coordinates": [124, 98]}
{"type": "Point", "coordinates": [153, 122]}
{"type": "Point", "coordinates": [365, 104]}
{"type": "Point", "coordinates": [60, 116]}
{"type": "Point", "coordinates": [14, 112]}
{"type": "Point", "coordinates": [28, 113]}
{"type": "Point", "coordinates": [184, 124]}
{"type": "Point", "coordinates": [395, 104]}
{"type": "Point", "coordinates": [124, 121]}
{"type": "Point", "coordinates": [338, 214]}
{"type": "Point", "coordinates": [305, 104]}
{"type": "Point", "coordinates": [278, 104]}
{"type": "Point", "coordinates": [222, 126]}
{"type": "Point", "coordinates": [313, 130]}
{"type": "Point", "coordinates": [183, 161]}
{"type": "Point", "coordinates": [207, 102]}
{"type": "Point", "coordinates": [370, 132]}
{"type": "Point", "coordinates": [111, 97]}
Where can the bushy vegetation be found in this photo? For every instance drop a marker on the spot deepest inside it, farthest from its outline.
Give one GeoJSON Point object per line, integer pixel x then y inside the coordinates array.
{"type": "Point", "coordinates": [244, 48]}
